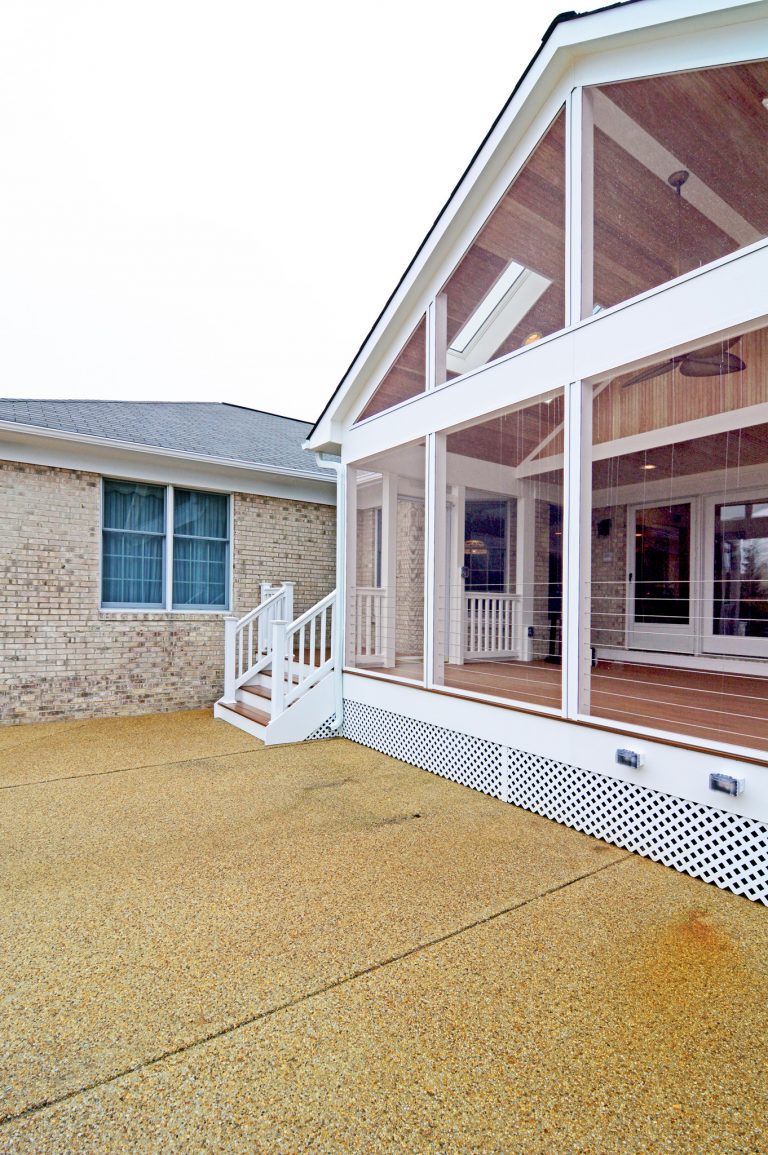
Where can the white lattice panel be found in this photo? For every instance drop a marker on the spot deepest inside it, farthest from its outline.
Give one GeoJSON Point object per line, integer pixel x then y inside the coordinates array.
{"type": "Point", "coordinates": [460, 757]}
{"type": "Point", "coordinates": [726, 849]}
{"type": "Point", "coordinates": [323, 731]}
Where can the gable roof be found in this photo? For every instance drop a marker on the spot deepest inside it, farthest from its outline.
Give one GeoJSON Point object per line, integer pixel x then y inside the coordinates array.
{"type": "Point", "coordinates": [203, 428]}
{"type": "Point", "coordinates": [562, 18]}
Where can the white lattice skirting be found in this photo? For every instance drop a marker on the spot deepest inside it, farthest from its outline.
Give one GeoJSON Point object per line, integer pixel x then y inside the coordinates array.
{"type": "Point", "coordinates": [726, 849]}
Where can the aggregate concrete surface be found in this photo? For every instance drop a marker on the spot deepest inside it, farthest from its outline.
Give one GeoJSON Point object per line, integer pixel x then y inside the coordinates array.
{"type": "Point", "coordinates": [208, 945]}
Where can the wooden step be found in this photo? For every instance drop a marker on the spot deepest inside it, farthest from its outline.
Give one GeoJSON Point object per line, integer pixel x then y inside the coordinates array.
{"type": "Point", "coordinates": [258, 716]}
{"type": "Point", "coordinates": [258, 691]}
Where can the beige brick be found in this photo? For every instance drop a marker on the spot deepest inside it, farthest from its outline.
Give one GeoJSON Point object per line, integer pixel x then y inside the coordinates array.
{"type": "Point", "coordinates": [60, 656]}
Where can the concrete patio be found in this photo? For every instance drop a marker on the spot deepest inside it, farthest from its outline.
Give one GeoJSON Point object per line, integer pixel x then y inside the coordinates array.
{"type": "Point", "coordinates": [211, 945]}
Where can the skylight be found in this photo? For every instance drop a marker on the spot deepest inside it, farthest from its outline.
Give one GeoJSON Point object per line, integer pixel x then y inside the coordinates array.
{"type": "Point", "coordinates": [499, 313]}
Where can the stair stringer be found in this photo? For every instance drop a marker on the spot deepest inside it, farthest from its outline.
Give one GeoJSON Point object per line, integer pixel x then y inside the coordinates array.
{"type": "Point", "coordinates": [304, 715]}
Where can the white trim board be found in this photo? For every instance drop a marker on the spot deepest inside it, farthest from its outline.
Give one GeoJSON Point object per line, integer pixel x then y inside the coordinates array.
{"type": "Point", "coordinates": [140, 463]}
{"type": "Point", "coordinates": [670, 769]}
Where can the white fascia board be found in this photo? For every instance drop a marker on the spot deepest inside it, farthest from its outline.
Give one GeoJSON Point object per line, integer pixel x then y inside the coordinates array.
{"type": "Point", "coordinates": [667, 34]}
{"type": "Point", "coordinates": [724, 297]}
{"type": "Point", "coordinates": [669, 769]}
{"type": "Point", "coordinates": [34, 445]}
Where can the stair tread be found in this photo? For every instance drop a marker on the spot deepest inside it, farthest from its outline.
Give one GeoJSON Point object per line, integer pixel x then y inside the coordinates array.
{"type": "Point", "coordinates": [258, 691]}
{"type": "Point", "coordinates": [250, 712]}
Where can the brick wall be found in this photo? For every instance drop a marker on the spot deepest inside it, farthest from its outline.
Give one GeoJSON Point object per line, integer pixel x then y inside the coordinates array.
{"type": "Point", "coordinates": [409, 598]}
{"type": "Point", "coordinates": [60, 657]}
{"type": "Point", "coordinates": [609, 585]}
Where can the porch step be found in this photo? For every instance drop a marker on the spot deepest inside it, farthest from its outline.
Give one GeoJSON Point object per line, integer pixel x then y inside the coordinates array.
{"type": "Point", "coordinates": [261, 717]}
{"type": "Point", "coordinates": [263, 692]}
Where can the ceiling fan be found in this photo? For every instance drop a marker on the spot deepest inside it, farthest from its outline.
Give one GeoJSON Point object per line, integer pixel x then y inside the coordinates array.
{"type": "Point", "coordinates": [711, 361]}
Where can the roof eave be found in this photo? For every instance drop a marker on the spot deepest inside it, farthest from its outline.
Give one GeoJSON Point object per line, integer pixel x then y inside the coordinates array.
{"type": "Point", "coordinates": [44, 432]}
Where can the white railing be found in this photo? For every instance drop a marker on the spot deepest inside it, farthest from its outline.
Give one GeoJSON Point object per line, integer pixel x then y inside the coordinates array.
{"type": "Point", "coordinates": [302, 653]}
{"type": "Point", "coordinates": [248, 641]}
{"type": "Point", "coordinates": [493, 626]}
{"type": "Point", "coordinates": [370, 629]}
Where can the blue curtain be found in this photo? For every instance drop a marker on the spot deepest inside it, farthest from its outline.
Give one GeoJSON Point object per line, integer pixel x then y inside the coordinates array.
{"type": "Point", "coordinates": [133, 544]}
{"type": "Point", "coordinates": [200, 547]}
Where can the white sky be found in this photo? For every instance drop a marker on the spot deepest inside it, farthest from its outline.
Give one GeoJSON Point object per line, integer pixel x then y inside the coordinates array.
{"type": "Point", "coordinates": [212, 200]}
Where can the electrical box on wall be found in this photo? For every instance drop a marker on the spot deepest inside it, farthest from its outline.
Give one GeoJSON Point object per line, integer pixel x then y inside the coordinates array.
{"type": "Point", "coordinates": [727, 784]}
{"type": "Point", "coordinates": [632, 758]}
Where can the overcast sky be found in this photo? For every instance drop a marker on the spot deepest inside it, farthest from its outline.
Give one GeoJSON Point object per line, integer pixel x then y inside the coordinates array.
{"type": "Point", "coordinates": [213, 200]}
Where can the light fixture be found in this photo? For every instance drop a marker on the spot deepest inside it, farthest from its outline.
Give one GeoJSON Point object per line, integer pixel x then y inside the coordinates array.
{"type": "Point", "coordinates": [649, 466]}
{"type": "Point", "coordinates": [764, 102]}
{"type": "Point", "coordinates": [677, 180]}
{"type": "Point", "coordinates": [475, 547]}
{"type": "Point", "coordinates": [532, 338]}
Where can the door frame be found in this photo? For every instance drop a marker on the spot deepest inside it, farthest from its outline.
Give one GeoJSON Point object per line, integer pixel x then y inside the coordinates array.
{"type": "Point", "coordinates": [682, 639]}
{"type": "Point", "coordinates": [712, 643]}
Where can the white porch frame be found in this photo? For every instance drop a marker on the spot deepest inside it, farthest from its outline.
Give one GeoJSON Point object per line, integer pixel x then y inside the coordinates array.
{"type": "Point", "coordinates": [722, 297]}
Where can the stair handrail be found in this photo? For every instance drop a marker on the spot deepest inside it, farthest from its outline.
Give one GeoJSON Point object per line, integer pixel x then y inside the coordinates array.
{"type": "Point", "coordinates": [302, 650]}
{"type": "Point", "coordinates": [241, 660]}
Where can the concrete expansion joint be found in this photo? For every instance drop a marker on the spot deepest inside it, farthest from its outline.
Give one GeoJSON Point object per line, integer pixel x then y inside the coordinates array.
{"type": "Point", "coordinates": [289, 1004]}
{"type": "Point", "coordinates": [125, 769]}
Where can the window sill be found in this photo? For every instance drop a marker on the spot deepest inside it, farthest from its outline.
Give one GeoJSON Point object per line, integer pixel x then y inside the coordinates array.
{"type": "Point", "coordinates": [158, 614]}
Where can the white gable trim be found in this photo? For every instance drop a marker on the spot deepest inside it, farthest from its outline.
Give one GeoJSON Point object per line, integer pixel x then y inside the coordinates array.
{"type": "Point", "coordinates": [618, 43]}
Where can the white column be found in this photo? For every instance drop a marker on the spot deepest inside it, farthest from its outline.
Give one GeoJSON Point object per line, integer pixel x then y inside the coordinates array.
{"type": "Point", "coordinates": [389, 564]}
{"type": "Point", "coordinates": [436, 593]}
{"type": "Point", "coordinates": [437, 341]}
{"type": "Point", "coordinates": [526, 566]}
{"type": "Point", "coordinates": [458, 601]}
{"type": "Point", "coordinates": [580, 210]}
{"type": "Point", "coordinates": [577, 550]}
{"type": "Point", "coordinates": [351, 568]}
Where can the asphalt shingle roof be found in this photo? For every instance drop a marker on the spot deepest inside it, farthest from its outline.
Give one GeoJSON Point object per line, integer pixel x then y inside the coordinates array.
{"type": "Point", "coordinates": [213, 429]}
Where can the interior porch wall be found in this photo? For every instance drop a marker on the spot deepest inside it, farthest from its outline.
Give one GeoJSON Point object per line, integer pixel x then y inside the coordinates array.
{"type": "Point", "coordinates": [409, 602]}
{"type": "Point", "coordinates": [609, 593]}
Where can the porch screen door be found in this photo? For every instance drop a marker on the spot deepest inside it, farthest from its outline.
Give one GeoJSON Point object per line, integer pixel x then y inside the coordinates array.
{"type": "Point", "coordinates": [660, 610]}
{"type": "Point", "coordinates": [737, 604]}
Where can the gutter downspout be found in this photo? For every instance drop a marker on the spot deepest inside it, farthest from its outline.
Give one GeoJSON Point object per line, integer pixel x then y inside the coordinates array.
{"type": "Point", "coordinates": [341, 584]}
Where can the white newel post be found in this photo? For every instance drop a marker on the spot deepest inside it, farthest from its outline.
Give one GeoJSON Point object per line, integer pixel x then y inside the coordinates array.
{"type": "Point", "coordinates": [288, 601]}
{"type": "Point", "coordinates": [278, 668]}
{"type": "Point", "coordinates": [265, 590]}
{"type": "Point", "coordinates": [230, 673]}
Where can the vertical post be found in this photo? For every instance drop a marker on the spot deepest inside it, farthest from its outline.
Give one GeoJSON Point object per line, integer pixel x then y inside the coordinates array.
{"type": "Point", "coordinates": [387, 606]}
{"type": "Point", "coordinates": [230, 673]}
{"type": "Point", "coordinates": [458, 601]}
{"type": "Point", "coordinates": [577, 550]}
{"type": "Point", "coordinates": [278, 668]}
{"type": "Point", "coordinates": [437, 584]}
{"type": "Point", "coordinates": [288, 601]}
{"type": "Point", "coordinates": [347, 568]}
{"type": "Point", "coordinates": [265, 589]}
{"type": "Point", "coordinates": [526, 566]}
{"type": "Point", "coordinates": [580, 213]}
{"type": "Point", "coordinates": [437, 341]}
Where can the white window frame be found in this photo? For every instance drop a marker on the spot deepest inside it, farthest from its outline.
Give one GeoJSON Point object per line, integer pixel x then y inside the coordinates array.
{"type": "Point", "coordinates": [168, 607]}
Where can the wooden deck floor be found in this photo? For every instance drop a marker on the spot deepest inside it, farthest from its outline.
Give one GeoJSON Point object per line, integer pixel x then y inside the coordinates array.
{"type": "Point", "coordinates": [721, 707]}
